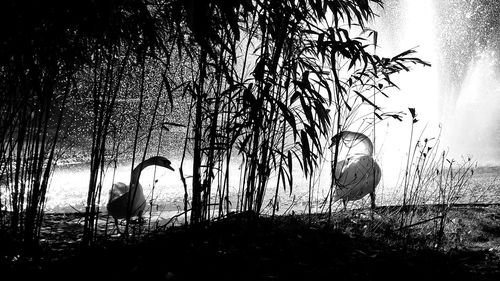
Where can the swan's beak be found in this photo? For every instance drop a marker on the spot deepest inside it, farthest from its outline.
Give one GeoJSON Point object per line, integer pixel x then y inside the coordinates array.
{"type": "Point", "coordinates": [170, 167]}
{"type": "Point", "coordinates": [334, 141]}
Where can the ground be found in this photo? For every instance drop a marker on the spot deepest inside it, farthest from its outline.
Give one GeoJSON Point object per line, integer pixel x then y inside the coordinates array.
{"type": "Point", "coordinates": [348, 246]}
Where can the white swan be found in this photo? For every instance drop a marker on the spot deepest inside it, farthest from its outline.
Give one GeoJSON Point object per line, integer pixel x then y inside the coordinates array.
{"type": "Point", "coordinates": [120, 195]}
{"type": "Point", "coordinates": [359, 173]}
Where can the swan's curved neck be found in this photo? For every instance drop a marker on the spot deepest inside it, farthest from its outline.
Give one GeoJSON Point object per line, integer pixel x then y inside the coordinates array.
{"type": "Point", "coordinates": [136, 173]}
{"type": "Point", "coordinates": [156, 160]}
{"type": "Point", "coordinates": [358, 137]}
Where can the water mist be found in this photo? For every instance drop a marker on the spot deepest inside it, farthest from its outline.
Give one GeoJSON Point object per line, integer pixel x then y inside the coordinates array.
{"type": "Point", "coordinates": [458, 97]}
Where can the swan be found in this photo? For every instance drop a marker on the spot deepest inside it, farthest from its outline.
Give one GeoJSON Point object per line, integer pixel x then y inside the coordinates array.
{"type": "Point", "coordinates": [358, 174]}
{"type": "Point", "coordinates": [120, 193]}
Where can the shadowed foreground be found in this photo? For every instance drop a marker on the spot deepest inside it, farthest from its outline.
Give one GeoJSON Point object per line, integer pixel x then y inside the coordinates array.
{"type": "Point", "coordinates": [287, 248]}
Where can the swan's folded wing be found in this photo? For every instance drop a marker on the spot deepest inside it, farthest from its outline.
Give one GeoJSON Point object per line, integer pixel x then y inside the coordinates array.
{"type": "Point", "coordinates": [358, 177]}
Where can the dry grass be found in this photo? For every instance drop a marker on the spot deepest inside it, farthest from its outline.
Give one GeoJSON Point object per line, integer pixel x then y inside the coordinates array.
{"type": "Point", "coordinates": [350, 247]}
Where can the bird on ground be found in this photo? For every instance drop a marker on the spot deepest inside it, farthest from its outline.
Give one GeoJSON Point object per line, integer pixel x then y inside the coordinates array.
{"type": "Point", "coordinates": [358, 174]}
{"type": "Point", "coordinates": [127, 202]}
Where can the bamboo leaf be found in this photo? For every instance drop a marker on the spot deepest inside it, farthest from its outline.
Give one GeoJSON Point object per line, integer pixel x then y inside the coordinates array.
{"type": "Point", "coordinates": [366, 100]}
{"type": "Point", "coordinates": [306, 151]}
{"type": "Point", "coordinates": [295, 96]}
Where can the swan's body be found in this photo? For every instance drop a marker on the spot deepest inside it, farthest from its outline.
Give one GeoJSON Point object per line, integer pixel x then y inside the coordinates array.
{"type": "Point", "coordinates": [127, 202]}
{"type": "Point", "coordinates": [359, 173]}
{"type": "Point", "coordinates": [119, 198]}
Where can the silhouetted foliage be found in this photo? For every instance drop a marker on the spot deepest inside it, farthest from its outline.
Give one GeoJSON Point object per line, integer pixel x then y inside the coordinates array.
{"type": "Point", "coordinates": [263, 80]}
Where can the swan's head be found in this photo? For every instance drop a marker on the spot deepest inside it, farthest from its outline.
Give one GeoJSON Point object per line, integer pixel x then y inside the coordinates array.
{"type": "Point", "coordinates": [160, 161]}
{"type": "Point", "coordinates": [336, 139]}
{"type": "Point", "coordinates": [167, 165]}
